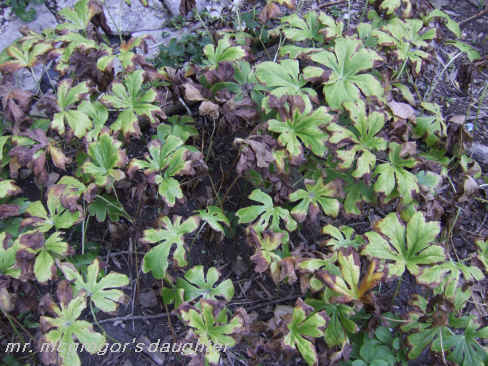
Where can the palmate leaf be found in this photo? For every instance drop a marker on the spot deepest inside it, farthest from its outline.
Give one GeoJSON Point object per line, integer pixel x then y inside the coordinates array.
{"type": "Point", "coordinates": [103, 206]}
{"type": "Point", "coordinates": [406, 247]}
{"type": "Point", "coordinates": [98, 114]}
{"type": "Point", "coordinates": [46, 252]}
{"type": "Point", "coordinates": [67, 97]}
{"type": "Point", "coordinates": [263, 213]}
{"type": "Point", "coordinates": [133, 101]}
{"type": "Point", "coordinates": [303, 128]}
{"type": "Point", "coordinates": [180, 126]}
{"type": "Point", "coordinates": [212, 326]}
{"type": "Point", "coordinates": [77, 17]}
{"type": "Point", "coordinates": [196, 285]}
{"type": "Point", "coordinates": [346, 65]}
{"type": "Point", "coordinates": [362, 134]}
{"type": "Point", "coordinates": [106, 157]}
{"type": "Point", "coordinates": [312, 27]}
{"type": "Point", "coordinates": [446, 277]}
{"type": "Point", "coordinates": [407, 39]}
{"type": "Point", "coordinates": [356, 191]}
{"type": "Point", "coordinates": [483, 252]}
{"type": "Point", "coordinates": [389, 6]}
{"type": "Point", "coordinates": [56, 215]}
{"type": "Point", "coordinates": [342, 237]}
{"type": "Point", "coordinates": [8, 188]}
{"type": "Point", "coordinates": [314, 197]}
{"type": "Point", "coordinates": [8, 263]}
{"type": "Point", "coordinates": [300, 29]}
{"type": "Point", "coordinates": [268, 253]}
{"type": "Point", "coordinates": [223, 52]}
{"type": "Point", "coordinates": [428, 325]}
{"type": "Point", "coordinates": [166, 160]}
{"type": "Point", "coordinates": [340, 324]}
{"type": "Point", "coordinates": [464, 348]}
{"type": "Point", "coordinates": [393, 175]}
{"type": "Point", "coordinates": [156, 260]}
{"type": "Point", "coordinates": [284, 79]}
{"type": "Point", "coordinates": [347, 284]}
{"type": "Point", "coordinates": [66, 326]}
{"type": "Point", "coordinates": [24, 55]}
{"type": "Point", "coordinates": [305, 323]}
{"type": "Point", "coordinates": [214, 216]}
{"type": "Point", "coordinates": [103, 293]}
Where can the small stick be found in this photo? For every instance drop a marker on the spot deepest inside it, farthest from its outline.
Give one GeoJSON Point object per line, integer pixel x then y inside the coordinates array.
{"type": "Point", "coordinates": [474, 17]}
{"type": "Point", "coordinates": [332, 3]}
{"type": "Point", "coordinates": [135, 317]}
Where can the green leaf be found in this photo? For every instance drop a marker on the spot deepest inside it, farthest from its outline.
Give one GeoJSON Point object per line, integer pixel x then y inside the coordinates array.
{"type": "Point", "coordinates": [66, 326]}
{"type": "Point", "coordinates": [8, 188]}
{"type": "Point", "coordinates": [46, 252]}
{"type": "Point", "coordinates": [408, 39]}
{"type": "Point", "coordinates": [483, 252]}
{"type": "Point", "coordinates": [156, 260]}
{"type": "Point", "coordinates": [467, 49]}
{"type": "Point", "coordinates": [132, 101]}
{"type": "Point", "coordinates": [300, 29]}
{"type": "Point", "coordinates": [316, 196]}
{"type": "Point", "coordinates": [362, 136]}
{"type": "Point", "coordinates": [106, 159]}
{"type": "Point", "coordinates": [67, 96]}
{"type": "Point", "coordinates": [346, 65]}
{"type": "Point", "coordinates": [303, 128]}
{"type": "Point", "coordinates": [268, 253]}
{"type": "Point", "coordinates": [340, 324]}
{"type": "Point", "coordinates": [98, 114]}
{"type": "Point", "coordinates": [213, 216]}
{"type": "Point", "coordinates": [347, 284]}
{"type": "Point", "coordinates": [223, 52]}
{"type": "Point", "coordinates": [304, 323]}
{"type": "Point", "coordinates": [166, 159]}
{"type": "Point", "coordinates": [8, 263]}
{"type": "Point", "coordinates": [107, 205]}
{"type": "Point", "coordinates": [284, 79]}
{"type": "Point", "coordinates": [210, 325]}
{"type": "Point", "coordinates": [450, 24]}
{"type": "Point", "coordinates": [56, 215]}
{"type": "Point", "coordinates": [103, 293]}
{"type": "Point", "coordinates": [342, 237]}
{"type": "Point", "coordinates": [180, 126]}
{"type": "Point", "coordinates": [406, 248]}
{"type": "Point", "coordinates": [196, 285]}
{"type": "Point", "coordinates": [464, 348]}
{"type": "Point", "coordinates": [265, 212]}
{"type": "Point", "coordinates": [393, 175]}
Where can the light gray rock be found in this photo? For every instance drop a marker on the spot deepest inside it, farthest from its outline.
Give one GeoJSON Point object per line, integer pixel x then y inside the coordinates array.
{"type": "Point", "coordinates": [479, 152]}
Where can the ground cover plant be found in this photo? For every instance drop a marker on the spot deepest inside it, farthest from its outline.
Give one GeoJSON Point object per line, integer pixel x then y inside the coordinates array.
{"type": "Point", "coordinates": [290, 195]}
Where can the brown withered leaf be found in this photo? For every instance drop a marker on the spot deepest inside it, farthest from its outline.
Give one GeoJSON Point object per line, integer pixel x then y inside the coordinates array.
{"type": "Point", "coordinates": [270, 11]}
{"type": "Point", "coordinates": [7, 300]}
{"type": "Point", "coordinates": [209, 109]}
{"type": "Point", "coordinates": [186, 6]}
{"type": "Point", "coordinates": [408, 149]}
{"type": "Point", "coordinates": [244, 109]}
{"type": "Point", "coordinates": [223, 72]}
{"type": "Point", "coordinates": [64, 292]}
{"type": "Point", "coordinates": [59, 159]}
{"type": "Point", "coordinates": [255, 152]}
{"type": "Point", "coordinates": [192, 93]}
{"type": "Point", "coordinates": [32, 239]}
{"type": "Point", "coordinates": [15, 102]}
{"type": "Point", "coordinates": [9, 210]}
{"type": "Point", "coordinates": [402, 110]}
{"type": "Point", "coordinates": [83, 63]}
